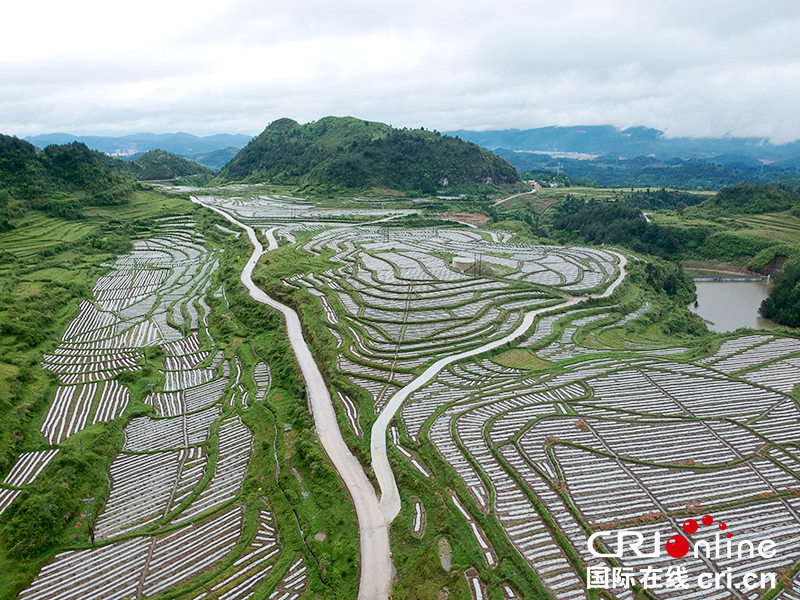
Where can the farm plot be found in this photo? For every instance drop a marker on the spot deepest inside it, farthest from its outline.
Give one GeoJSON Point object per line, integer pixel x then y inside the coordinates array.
{"type": "Point", "coordinates": [263, 378]}
{"type": "Point", "coordinates": [415, 463]}
{"type": "Point", "coordinates": [250, 570]}
{"type": "Point", "coordinates": [781, 376]}
{"type": "Point", "coordinates": [405, 305]}
{"type": "Point", "coordinates": [7, 497]}
{"type": "Point", "coordinates": [777, 348]}
{"type": "Point", "coordinates": [80, 365]}
{"type": "Point", "coordinates": [69, 412]}
{"type": "Point", "coordinates": [476, 586]}
{"type": "Point", "coordinates": [139, 567]}
{"type": "Point", "coordinates": [351, 412]}
{"type": "Point", "coordinates": [141, 488]}
{"type": "Point", "coordinates": [144, 434]}
{"type": "Point", "coordinates": [488, 552]}
{"type": "Point", "coordinates": [235, 448]}
{"type": "Point", "coordinates": [27, 467]}
{"type": "Point", "coordinates": [651, 438]}
{"type": "Point", "coordinates": [293, 583]}
{"type": "Point", "coordinates": [106, 573]}
{"type": "Point", "coordinates": [418, 525]}
{"type": "Point", "coordinates": [179, 556]}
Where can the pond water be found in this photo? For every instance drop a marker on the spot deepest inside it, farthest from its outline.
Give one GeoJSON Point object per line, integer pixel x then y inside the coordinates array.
{"type": "Point", "coordinates": [728, 305]}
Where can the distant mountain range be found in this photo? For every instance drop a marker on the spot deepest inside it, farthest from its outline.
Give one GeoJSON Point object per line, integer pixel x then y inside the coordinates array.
{"type": "Point", "coordinates": [608, 155]}
{"type": "Point", "coordinates": [131, 146]}
{"type": "Point", "coordinates": [630, 143]}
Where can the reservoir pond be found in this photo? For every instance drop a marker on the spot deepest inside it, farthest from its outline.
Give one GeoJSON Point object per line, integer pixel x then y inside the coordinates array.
{"type": "Point", "coordinates": [728, 305]}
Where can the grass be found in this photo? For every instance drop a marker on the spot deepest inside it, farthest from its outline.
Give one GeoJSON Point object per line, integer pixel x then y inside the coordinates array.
{"type": "Point", "coordinates": [521, 359]}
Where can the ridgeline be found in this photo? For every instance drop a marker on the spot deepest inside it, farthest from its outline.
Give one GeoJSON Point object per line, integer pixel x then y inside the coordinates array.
{"type": "Point", "coordinates": [358, 154]}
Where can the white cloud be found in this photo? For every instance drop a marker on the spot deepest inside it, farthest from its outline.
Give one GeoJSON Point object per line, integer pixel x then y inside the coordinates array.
{"type": "Point", "coordinates": [690, 68]}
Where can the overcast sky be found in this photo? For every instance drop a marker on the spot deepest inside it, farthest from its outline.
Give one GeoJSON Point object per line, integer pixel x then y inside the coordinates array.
{"type": "Point", "coordinates": [688, 67]}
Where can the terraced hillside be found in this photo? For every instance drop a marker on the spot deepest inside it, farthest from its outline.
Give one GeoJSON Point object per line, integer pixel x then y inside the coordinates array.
{"type": "Point", "coordinates": [597, 438]}
{"type": "Point", "coordinates": [583, 421]}
{"type": "Point", "coordinates": [172, 514]}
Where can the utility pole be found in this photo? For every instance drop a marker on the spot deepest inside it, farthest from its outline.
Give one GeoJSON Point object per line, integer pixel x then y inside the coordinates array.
{"type": "Point", "coordinates": [91, 520]}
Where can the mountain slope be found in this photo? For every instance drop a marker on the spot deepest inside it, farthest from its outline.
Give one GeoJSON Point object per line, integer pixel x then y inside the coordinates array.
{"type": "Point", "coordinates": [217, 159]}
{"type": "Point", "coordinates": [68, 168]}
{"type": "Point", "coordinates": [157, 164]}
{"type": "Point", "coordinates": [358, 154]}
{"type": "Point", "coordinates": [59, 180]}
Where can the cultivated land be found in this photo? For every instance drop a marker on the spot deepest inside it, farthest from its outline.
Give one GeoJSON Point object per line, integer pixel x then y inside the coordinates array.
{"type": "Point", "coordinates": [590, 419]}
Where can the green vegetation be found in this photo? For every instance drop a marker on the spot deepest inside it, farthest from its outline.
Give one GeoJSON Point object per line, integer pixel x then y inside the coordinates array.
{"type": "Point", "coordinates": [157, 164]}
{"type": "Point", "coordinates": [59, 180]}
{"type": "Point", "coordinates": [751, 199]}
{"type": "Point", "coordinates": [355, 154]}
{"type": "Point", "coordinates": [783, 303]}
{"type": "Point", "coordinates": [217, 159]}
{"type": "Point", "coordinates": [617, 223]}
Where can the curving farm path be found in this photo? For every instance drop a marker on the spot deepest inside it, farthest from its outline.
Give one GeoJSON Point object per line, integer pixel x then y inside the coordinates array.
{"type": "Point", "coordinates": [390, 495]}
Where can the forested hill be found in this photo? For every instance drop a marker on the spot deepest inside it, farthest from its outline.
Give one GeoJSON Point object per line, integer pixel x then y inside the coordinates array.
{"type": "Point", "coordinates": [58, 180]}
{"type": "Point", "coordinates": [157, 164]}
{"type": "Point", "coordinates": [27, 174]}
{"type": "Point", "coordinates": [360, 154]}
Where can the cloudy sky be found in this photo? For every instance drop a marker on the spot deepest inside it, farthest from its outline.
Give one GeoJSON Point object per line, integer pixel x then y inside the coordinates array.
{"type": "Point", "coordinates": [688, 67]}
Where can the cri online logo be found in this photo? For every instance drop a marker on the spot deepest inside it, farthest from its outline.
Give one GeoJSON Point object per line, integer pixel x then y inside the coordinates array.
{"type": "Point", "coordinates": [677, 576]}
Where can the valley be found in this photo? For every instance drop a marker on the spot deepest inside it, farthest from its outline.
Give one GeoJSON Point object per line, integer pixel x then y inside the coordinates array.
{"type": "Point", "coordinates": [319, 406]}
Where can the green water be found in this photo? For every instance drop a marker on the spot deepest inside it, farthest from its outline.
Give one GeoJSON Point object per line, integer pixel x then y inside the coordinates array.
{"type": "Point", "coordinates": [728, 305]}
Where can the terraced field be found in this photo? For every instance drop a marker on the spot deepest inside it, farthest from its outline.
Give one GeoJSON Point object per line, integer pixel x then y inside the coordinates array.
{"type": "Point", "coordinates": [173, 495]}
{"type": "Point", "coordinates": [530, 462]}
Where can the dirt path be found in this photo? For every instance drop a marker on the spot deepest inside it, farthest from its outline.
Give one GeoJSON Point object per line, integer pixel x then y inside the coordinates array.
{"type": "Point", "coordinates": [514, 196]}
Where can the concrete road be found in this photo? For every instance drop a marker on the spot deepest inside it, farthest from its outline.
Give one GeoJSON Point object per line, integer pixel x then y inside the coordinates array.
{"type": "Point", "coordinates": [373, 529]}
{"type": "Point", "coordinates": [390, 495]}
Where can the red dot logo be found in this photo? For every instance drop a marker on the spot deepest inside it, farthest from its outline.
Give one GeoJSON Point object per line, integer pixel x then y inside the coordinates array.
{"type": "Point", "coordinates": [708, 520]}
{"type": "Point", "coordinates": [690, 526]}
{"type": "Point", "coordinates": [722, 526]}
{"type": "Point", "coordinates": [677, 546]}
{"type": "Point", "coordinates": [728, 535]}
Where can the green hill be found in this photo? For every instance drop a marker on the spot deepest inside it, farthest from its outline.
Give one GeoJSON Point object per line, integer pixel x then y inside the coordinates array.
{"type": "Point", "coordinates": [157, 164]}
{"type": "Point", "coordinates": [746, 198]}
{"type": "Point", "coordinates": [71, 167]}
{"type": "Point", "coordinates": [360, 154]}
{"type": "Point", "coordinates": [59, 180]}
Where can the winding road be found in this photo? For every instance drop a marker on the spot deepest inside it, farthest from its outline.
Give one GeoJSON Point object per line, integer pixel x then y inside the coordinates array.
{"type": "Point", "coordinates": [374, 517]}
{"type": "Point", "coordinates": [373, 529]}
{"type": "Point", "coordinates": [390, 495]}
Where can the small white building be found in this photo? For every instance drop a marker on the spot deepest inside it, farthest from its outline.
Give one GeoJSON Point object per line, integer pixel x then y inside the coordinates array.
{"type": "Point", "coordinates": [462, 264]}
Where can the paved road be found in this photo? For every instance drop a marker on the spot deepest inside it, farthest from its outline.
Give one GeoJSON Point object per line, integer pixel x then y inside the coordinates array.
{"type": "Point", "coordinates": [373, 529]}
{"type": "Point", "coordinates": [390, 495]}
